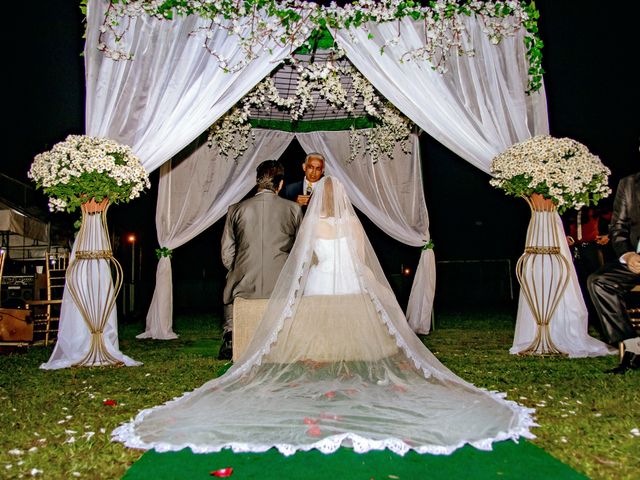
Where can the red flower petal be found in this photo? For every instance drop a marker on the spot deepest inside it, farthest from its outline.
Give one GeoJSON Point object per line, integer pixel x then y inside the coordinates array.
{"type": "Point", "coordinates": [110, 403]}
{"type": "Point", "coordinates": [314, 431]}
{"type": "Point", "coordinates": [223, 472]}
{"type": "Point", "coordinates": [310, 421]}
{"type": "Point", "coordinates": [399, 388]}
{"type": "Point", "coordinates": [330, 394]}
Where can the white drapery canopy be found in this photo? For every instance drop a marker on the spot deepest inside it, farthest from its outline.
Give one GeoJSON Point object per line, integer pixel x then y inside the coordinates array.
{"type": "Point", "coordinates": [174, 89]}
{"type": "Point", "coordinates": [195, 192]}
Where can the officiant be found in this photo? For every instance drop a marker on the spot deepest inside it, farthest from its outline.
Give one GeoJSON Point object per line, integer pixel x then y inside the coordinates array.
{"type": "Point", "coordinates": [300, 192]}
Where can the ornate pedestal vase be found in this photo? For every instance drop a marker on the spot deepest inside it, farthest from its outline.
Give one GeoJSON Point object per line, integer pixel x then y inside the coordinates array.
{"type": "Point", "coordinates": [90, 281]}
{"type": "Point", "coordinates": [543, 273]}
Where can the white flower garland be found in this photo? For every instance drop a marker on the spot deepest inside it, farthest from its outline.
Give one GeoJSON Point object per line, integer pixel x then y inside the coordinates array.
{"type": "Point", "coordinates": [230, 134]}
{"type": "Point", "coordinates": [257, 24]}
{"type": "Point", "coordinates": [558, 168]}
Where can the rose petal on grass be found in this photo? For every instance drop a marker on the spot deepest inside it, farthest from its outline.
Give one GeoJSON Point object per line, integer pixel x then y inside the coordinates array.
{"type": "Point", "coordinates": [110, 402]}
{"type": "Point", "coordinates": [222, 472]}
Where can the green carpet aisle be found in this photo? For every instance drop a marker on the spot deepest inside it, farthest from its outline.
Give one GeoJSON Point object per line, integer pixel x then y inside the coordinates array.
{"type": "Point", "coordinates": [508, 460]}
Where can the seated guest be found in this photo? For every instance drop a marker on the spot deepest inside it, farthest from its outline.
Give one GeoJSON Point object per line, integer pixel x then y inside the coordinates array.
{"type": "Point", "coordinates": [609, 285]}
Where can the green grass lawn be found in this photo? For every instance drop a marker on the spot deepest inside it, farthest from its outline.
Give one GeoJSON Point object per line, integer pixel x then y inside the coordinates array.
{"type": "Point", "coordinates": [55, 422]}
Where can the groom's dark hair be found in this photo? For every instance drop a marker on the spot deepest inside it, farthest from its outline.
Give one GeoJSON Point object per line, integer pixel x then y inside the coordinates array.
{"type": "Point", "coordinates": [269, 174]}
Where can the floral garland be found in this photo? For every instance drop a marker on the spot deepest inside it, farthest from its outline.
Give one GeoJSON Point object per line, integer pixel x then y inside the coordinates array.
{"type": "Point", "coordinates": [259, 23]}
{"type": "Point", "coordinates": [83, 167]}
{"type": "Point", "coordinates": [231, 133]}
{"type": "Point", "coordinates": [561, 169]}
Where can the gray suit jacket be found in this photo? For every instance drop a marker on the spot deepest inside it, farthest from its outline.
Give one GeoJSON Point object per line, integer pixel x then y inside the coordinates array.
{"type": "Point", "coordinates": [624, 229]}
{"type": "Point", "coordinates": [258, 236]}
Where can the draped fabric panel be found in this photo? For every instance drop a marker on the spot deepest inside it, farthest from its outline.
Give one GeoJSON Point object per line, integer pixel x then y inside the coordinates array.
{"type": "Point", "coordinates": [477, 109]}
{"type": "Point", "coordinates": [569, 325]}
{"type": "Point", "coordinates": [74, 336]}
{"type": "Point", "coordinates": [390, 193]}
{"type": "Point", "coordinates": [194, 192]}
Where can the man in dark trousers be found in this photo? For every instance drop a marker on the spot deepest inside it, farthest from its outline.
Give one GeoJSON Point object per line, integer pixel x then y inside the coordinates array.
{"type": "Point", "coordinates": [258, 235]}
{"type": "Point", "coordinates": [300, 192]}
{"type": "Point", "coordinates": [609, 285]}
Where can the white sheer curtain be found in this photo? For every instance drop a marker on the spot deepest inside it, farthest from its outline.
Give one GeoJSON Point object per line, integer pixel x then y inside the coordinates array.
{"type": "Point", "coordinates": [160, 101]}
{"type": "Point", "coordinates": [195, 192]}
{"type": "Point", "coordinates": [390, 193]}
{"type": "Point", "coordinates": [477, 109]}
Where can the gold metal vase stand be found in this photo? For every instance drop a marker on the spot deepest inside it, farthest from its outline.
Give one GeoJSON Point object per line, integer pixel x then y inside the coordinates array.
{"type": "Point", "coordinates": [543, 273]}
{"type": "Point", "coordinates": [94, 278]}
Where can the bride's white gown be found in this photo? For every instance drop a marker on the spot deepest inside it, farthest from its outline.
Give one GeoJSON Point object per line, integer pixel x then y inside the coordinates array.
{"type": "Point", "coordinates": [332, 363]}
{"type": "Point", "coordinates": [322, 278]}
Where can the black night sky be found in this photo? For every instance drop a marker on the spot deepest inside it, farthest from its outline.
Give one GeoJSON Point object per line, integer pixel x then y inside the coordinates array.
{"type": "Point", "coordinates": [590, 51]}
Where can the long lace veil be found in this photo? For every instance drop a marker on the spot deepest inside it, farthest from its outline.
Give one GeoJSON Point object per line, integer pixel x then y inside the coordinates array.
{"type": "Point", "coordinates": [332, 363]}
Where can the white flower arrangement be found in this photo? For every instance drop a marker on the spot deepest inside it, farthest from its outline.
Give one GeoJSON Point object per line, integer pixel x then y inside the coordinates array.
{"type": "Point", "coordinates": [83, 167]}
{"type": "Point", "coordinates": [560, 169]}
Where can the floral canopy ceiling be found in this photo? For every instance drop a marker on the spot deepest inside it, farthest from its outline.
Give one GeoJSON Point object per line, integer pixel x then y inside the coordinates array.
{"type": "Point", "coordinates": [317, 84]}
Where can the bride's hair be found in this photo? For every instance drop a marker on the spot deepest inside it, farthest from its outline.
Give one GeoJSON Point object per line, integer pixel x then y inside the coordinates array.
{"type": "Point", "coordinates": [328, 208]}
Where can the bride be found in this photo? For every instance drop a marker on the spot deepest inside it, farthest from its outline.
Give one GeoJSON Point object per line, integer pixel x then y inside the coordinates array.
{"type": "Point", "coordinates": [332, 363]}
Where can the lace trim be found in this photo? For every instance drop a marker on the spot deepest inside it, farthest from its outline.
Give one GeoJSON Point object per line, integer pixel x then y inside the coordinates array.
{"type": "Point", "coordinates": [126, 435]}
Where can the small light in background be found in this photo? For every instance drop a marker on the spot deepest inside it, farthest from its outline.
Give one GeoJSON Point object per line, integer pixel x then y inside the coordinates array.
{"type": "Point", "coordinates": [406, 271]}
{"type": "Point", "coordinates": [131, 238]}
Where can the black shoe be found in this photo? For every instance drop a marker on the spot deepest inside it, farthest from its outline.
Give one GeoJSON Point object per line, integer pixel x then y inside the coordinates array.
{"type": "Point", "coordinates": [630, 361]}
{"type": "Point", "coordinates": [226, 349]}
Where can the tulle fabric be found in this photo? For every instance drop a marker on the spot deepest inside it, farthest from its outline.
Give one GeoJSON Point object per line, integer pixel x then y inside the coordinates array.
{"type": "Point", "coordinates": [332, 363]}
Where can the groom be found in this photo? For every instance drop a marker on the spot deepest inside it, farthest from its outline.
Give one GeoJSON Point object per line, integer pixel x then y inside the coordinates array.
{"type": "Point", "coordinates": [258, 235]}
{"type": "Point", "coordinates": [609, 285]}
